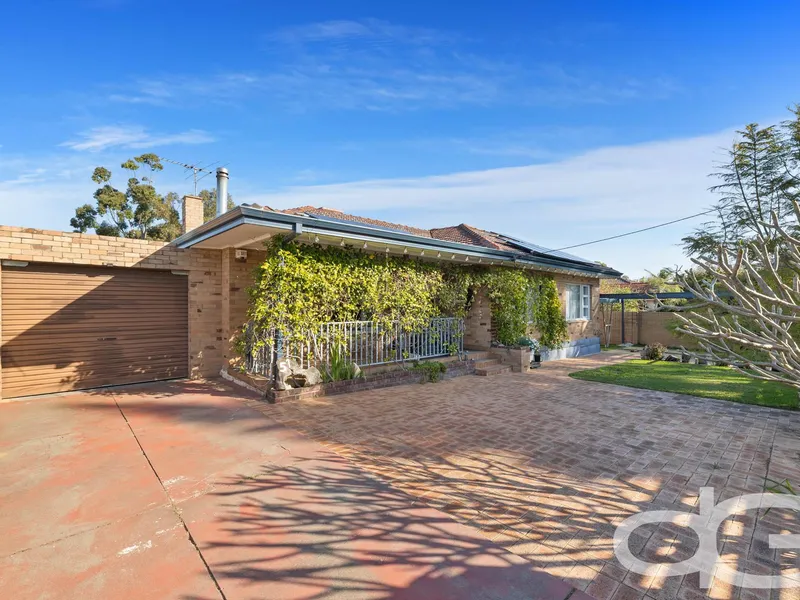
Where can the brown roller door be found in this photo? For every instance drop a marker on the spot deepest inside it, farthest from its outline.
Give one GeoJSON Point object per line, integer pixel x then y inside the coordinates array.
{"type": "Point", "coordinates": [70, 328]}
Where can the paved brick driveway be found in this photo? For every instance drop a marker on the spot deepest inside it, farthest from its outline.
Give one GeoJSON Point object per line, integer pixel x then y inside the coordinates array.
{"type": "Point", "coordinates": [180, 491]}
{"type": "Point", "coordinates": [547, 465]}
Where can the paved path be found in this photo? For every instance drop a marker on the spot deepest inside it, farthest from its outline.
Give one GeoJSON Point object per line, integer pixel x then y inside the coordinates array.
{"type": "Point", "coordinates": [547, 466]}
{"type": "Point", "coordinates": [184, 491]}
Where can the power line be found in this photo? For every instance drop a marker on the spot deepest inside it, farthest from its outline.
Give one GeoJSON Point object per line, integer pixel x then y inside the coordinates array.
{"type": "Point", "coordinates": [614, 237]}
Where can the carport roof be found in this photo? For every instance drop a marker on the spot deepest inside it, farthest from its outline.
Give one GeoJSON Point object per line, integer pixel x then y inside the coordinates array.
{"type": "Point", "coordinates": [247, 227]}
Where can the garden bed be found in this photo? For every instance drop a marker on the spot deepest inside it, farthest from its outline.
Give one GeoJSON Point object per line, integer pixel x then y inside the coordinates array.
{"type": "Point", "coordinates": [398, 376]}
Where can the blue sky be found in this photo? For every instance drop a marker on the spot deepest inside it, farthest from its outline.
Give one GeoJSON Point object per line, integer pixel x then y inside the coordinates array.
{"type": "Point", "coordinates": [558, 122]}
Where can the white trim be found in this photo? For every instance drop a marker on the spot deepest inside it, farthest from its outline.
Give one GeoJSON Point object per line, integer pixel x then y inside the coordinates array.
{"type": "Point", "coordinates": [584, 303]}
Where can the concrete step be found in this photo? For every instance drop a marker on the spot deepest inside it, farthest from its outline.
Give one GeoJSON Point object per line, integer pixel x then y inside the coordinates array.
{"type": "Point", "coordinates": [477, 355]}
{"type": "Point", "coordinates": [487, 362]}
{"type": "Point", "coordinates": [493, 370]}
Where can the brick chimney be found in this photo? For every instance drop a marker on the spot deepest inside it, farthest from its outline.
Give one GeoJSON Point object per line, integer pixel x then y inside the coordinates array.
{"type": "Point", "coordinates": [192, 213]}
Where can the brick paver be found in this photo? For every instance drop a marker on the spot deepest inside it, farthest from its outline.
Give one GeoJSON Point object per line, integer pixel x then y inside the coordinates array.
{"type": "Point", "coordinates": [547, 466]}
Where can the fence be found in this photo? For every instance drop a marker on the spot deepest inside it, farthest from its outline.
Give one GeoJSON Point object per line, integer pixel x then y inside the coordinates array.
{"type": "Point", "coordinates": [645, 327]}
{"type": "Point", "coordinates": [365, 343]}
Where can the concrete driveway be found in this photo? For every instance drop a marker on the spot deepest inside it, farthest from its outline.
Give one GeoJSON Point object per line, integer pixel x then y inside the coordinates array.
{"type": "Point", "coordinates": [184, 490]}
{"type": "Point", "coordinates": [547, 466]}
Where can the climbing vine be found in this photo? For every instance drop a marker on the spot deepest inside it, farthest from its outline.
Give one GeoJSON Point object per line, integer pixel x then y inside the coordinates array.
{"type": "Point", "coordinates": [547, 317]}
{"type": "Point", "coordinates": [299, 287]}
{"type": "Point", "coordinates": [524, 303]}
{"type": "Point", "coordinates": [508, 292]}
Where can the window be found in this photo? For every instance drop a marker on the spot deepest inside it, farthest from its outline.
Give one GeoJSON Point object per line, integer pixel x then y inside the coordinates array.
{"type": "Point", "coordinates": [579, 302]}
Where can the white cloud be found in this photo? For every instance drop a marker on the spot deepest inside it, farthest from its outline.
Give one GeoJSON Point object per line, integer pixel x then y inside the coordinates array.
{"type": "Point", "coordinates": [363, 29]}
{"type": "Point", "coordinates": [379, 66]}
{"type": "Point", "coordinates": [132, 136]}
{"type": "Point", "coordinates": [593, 195]}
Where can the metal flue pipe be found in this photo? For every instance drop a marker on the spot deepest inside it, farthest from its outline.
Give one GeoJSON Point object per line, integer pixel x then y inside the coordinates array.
{"type": "Point", "coordinates": [222, 190]}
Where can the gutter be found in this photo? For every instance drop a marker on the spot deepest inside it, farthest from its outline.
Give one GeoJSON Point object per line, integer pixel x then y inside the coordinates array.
{"type": "Point", "coordinates": [245, 215]}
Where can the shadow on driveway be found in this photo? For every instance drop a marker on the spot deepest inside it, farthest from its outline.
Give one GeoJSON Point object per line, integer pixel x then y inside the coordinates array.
{"type": "Point", "coordinates": [182, 490]}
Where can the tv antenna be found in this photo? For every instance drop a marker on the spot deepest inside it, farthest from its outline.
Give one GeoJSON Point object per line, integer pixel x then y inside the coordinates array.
{"type": "Point", "coordinates": [195, 169]}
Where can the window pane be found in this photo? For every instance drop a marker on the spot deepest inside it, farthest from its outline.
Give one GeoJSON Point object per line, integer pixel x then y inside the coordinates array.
{"type": "Point", "coordinates": [573, 301]}
{"type": "Point", "coordinates": [586, 301]}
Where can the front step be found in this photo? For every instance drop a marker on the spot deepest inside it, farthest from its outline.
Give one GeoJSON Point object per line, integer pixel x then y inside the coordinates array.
{"type": "Point", "coordinates": [492, 369]}
{"type": "Point", "coordinates": [486, 362]}
{"type": "Point", "coordinates": [477, 355]}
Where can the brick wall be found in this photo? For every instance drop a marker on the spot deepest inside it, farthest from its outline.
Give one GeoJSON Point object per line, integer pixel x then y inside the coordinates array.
{"type": "Point", "coordinates": [582, 329]}
{"type": "Point", "coordinates": [203, 267]}
{"type": "Point", "coordinates": [644, 327]}
{"type": "Point", "coordinates": [237, 277]}
{"type": "Point", "coordinates": [478, 323]}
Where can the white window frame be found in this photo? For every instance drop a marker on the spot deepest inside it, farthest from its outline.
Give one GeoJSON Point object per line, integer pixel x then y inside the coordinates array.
{"type": "Point", "coordinates": [584, 292]}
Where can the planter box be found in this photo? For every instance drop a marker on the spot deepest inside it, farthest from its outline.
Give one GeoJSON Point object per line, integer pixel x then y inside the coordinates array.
{"type": "Point", "coordinates": [397, 376]}
{"type": "Point", "coordinates": [519, 359]}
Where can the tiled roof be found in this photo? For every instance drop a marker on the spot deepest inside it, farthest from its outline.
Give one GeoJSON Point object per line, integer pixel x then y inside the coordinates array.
{"type": "Point", "coordinates": [463, 233]}
{"type": "Point", "coordinates": [337, 214]}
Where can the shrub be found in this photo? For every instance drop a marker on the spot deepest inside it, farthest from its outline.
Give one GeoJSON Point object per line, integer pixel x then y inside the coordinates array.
{"type": "Point", "coordinates": [431, 370]}
{"type": "Point", "coordinates": [341, 368]}
{"type": "Point", "coordinates": [653, 351]}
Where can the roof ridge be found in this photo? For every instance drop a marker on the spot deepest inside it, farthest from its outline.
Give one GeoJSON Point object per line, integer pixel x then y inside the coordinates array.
{"type": "Point", "coordinates": [471, 233]}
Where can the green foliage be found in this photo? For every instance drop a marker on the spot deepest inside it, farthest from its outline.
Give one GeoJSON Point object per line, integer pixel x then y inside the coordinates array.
{"type": "Point", "coordinates": [722, 383]}
{"type": "Point", "coordinates": [209, 198]}
{"type": "Point", "coordinates": [300, 287]}
{"type": "Point", "coordinates": [523, 301]}
{"type": "Point", "coordinates": [452, 348]}
{"type": "Point", "coordinates": [138, 212]}
{"type": "Point", "coordinates": [509, 292]}
{"type": "Point", "coordinates": [432, 370]}
{"type": "Point", "coordinates": [760, 176]}
{"type": "Point", "coordinates": [529, 342]}
{"type": "Point", "coordinates": [340, 367]}
{"type": "Point", "coordinates": [546, 313]}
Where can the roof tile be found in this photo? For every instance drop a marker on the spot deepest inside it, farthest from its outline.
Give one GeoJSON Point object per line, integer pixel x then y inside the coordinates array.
{"type": "Point", "coordinates": [337, 214]}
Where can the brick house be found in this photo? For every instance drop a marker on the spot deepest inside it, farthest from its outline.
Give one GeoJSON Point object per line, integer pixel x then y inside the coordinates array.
{"type": "Point", "coordinates": [80, 311]}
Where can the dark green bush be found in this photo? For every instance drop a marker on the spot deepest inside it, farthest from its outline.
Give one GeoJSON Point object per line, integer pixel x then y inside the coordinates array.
{"type": "Point", "coordinates": [432, 371]}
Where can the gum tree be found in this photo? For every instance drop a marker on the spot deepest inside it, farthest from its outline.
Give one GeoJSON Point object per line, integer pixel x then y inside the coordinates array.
{"type": "Point", "coordinates": [137, 212]}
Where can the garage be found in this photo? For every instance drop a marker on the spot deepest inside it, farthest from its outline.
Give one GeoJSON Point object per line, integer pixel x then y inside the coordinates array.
{"type": "Point", "coordinates": [66, 327]}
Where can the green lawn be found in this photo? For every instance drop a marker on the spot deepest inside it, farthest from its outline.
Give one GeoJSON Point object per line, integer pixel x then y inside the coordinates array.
{"type": "Point", "coordinates": [722, 383]}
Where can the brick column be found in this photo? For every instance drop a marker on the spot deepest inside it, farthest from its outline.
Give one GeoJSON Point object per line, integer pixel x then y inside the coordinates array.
{"type": "Point", "coordinates": [478, 323]}
{"type": "Point", "coordinates": [192, 213]}
{"type": "Point", "coordinates": [1, 330]}
{"type": "Point", "coordinates": [225, 314]}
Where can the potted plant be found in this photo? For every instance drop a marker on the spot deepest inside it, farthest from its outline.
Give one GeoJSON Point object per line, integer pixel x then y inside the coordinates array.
{"type": "Point", "coordinates": [536, 359]}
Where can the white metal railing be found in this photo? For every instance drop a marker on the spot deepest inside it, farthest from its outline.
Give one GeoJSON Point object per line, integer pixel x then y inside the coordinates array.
{"type": "Point", "coordinates": [363, 342]}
